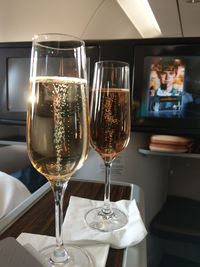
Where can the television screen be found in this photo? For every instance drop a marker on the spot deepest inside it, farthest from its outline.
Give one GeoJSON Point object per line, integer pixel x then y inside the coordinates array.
{"type": "Point", "coordinates": [18, 83]}
{"type": "Point", "coordinates": [172, 87]}
{"type": "Point", "coordinates": [14, 79]}
{"type": "Point", "coordinates": [166, 91]}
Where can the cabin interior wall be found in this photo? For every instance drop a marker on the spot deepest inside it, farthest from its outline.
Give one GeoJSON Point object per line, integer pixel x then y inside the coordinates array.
{"type": "Point", "coordinates": [184, 176]}
{"type": "Point", "coordinates": [88, 19]}
{"type": "Point", "coordinates": [156, 175]}
{"type": "Point", "coordinates": [8, 131]}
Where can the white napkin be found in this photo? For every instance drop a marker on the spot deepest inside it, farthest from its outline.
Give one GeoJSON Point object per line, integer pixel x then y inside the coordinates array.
{"type": "Point", "coordinates": [75, 227]}
{"type": "Point", "coordinates": [97, 252]}
{"type": "Point", "coordinates": [12, 193]}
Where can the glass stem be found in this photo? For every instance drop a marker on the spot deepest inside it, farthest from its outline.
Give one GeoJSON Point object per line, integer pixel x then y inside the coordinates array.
{"type": "Point", "coordinates": [107, 208]}
{"type": "Point", "coordinates": [59, 254]}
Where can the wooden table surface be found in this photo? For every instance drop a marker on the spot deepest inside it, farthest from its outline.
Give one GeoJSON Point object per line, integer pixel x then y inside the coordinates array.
{"type": "Point", "coordinates": [39, 219]}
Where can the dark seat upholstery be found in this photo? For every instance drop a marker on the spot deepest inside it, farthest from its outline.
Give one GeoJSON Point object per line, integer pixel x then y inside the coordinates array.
{"type": "Point", "coordinates": [173, 261]}
{"type": "Point", "coordinates": [31, 178]}
{"type": "Point", "coordinates": [179, 219]}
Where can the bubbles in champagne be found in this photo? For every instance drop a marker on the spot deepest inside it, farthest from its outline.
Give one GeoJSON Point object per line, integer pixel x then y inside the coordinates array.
{"type": "Point", "coordinates": [59, 99]}
{"type": "Point", "coordinates": [110, 121]}
{"type": "Point", "coordinates": [62, 114]}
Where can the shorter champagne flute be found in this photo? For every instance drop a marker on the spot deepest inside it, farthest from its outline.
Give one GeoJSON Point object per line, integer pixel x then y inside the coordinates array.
{"type": "Point", "coordinates": [110, 132]}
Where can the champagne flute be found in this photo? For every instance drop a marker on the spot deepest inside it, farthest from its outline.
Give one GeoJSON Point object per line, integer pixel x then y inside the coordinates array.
{"type": "Point", "coordinates": [110, 132]}
{"type": "Point", "coordinates": [58, 126]}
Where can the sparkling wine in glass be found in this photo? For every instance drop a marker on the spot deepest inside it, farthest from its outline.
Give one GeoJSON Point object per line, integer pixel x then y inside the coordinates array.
{"type": "Point", "coordinates": [58, 126]}
{"type": "Point", "coordinates": [110, 132]}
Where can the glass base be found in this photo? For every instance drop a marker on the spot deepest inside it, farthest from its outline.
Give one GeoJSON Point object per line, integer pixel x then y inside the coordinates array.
{"type": "Point", "coordinates": [106, 222]}
{"type": "Point", "coordinates": [74, 257]}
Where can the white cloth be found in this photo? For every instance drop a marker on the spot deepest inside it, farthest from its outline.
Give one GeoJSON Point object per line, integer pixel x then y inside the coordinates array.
{"type": "Point", "coordinates": [12, 193]}
{"type": "Point", "coordinates": [97, 252]}
{"type": "Point", "coordinates": [75, 227]}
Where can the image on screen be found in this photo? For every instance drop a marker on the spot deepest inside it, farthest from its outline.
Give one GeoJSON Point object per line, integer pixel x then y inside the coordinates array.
{"type": "Point", "coordinates": [166, 83]}
{"type": "Point", "coordinates": [172, 87]}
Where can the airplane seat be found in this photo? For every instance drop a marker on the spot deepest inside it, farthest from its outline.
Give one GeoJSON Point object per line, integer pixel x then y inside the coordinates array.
{"type": "Point", "coordinates": [12, 193]}
{"type": "Point", "coordinates": [18, 178]}
{"type": "Point", "coordinates": [177, 224]}
{"type": "Point", "coordinates": [30, 177]}
{"type": "Point", "coordinates": [14, 160]}
{"type": "Point", "coordinates": [13, 157]}
{"type": "Point", "coordinates": [173, 261]}
{"type": "Point", "coordinates": [178, 219]}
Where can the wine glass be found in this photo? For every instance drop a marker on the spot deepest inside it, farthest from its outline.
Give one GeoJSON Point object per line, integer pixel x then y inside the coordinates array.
{"type": "Point", "coordinates": [110, 132]}
{"type": "Point", "coordinates": [58, 126]}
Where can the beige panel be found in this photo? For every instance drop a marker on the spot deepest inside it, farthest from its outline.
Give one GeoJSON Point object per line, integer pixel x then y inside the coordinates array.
{"type": "Point", "coordinates": [21, 19]}
{"type": "Point", "coordinates": [166, 13]}
{"type": "Point", "coordinates": [190, 18]}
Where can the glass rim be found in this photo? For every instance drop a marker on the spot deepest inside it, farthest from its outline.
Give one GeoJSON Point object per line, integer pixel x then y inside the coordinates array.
{"type": "Point", "coordinates": [107, 63]}
{"type": "Point", "coordinates": [38, 40]}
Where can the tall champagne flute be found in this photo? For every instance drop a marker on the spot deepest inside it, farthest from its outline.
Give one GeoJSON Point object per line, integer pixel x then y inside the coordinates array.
{"type": "Point", "coordinates": [58, 126]}
{"type": "Point", "coordinates": [110, 132]}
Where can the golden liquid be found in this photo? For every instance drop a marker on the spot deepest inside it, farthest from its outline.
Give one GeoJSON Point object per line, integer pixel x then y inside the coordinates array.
{"type": "Point", "coordinates": [110, 121]}
{"type": "Point", "coordinates": [58, 126]}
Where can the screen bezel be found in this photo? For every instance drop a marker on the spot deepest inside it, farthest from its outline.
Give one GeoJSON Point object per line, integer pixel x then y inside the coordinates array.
{"type": "Point", "coordinates": [162, 125]}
